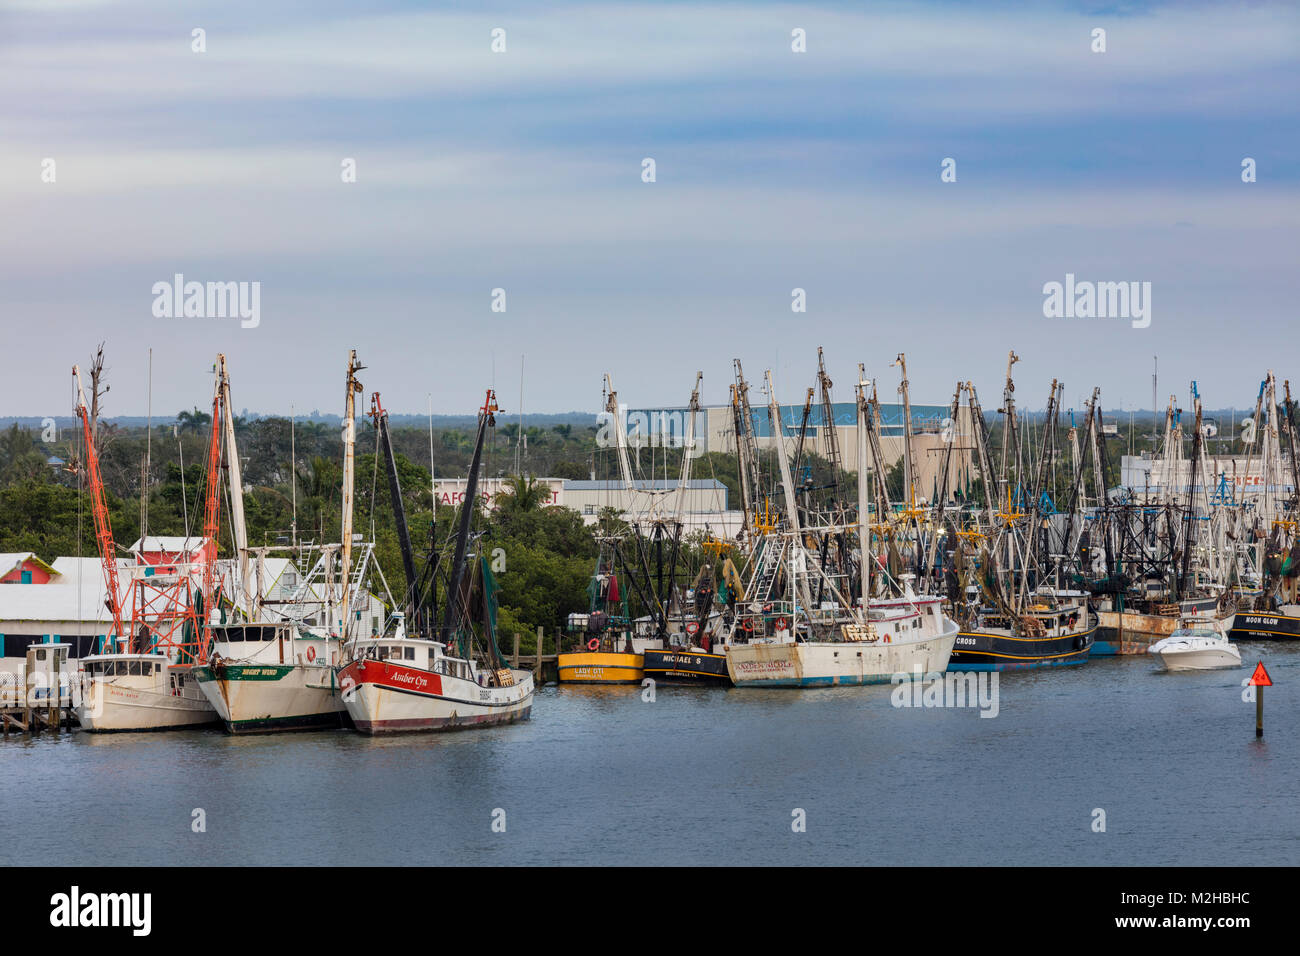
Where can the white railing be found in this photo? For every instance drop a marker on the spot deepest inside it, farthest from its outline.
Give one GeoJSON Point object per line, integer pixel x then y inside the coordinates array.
{"type": "Point", "coordinates": [14, 690]}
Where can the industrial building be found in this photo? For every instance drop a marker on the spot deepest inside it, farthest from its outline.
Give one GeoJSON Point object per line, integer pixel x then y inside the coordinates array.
{"type": "Point", "coordinates": [702, 505]}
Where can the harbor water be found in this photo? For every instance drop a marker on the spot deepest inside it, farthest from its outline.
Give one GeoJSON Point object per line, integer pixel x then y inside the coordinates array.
{"type": "Point", "coordinates": [702, 776]}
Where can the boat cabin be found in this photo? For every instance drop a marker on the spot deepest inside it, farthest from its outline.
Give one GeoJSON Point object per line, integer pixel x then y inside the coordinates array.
{"type": "Point", "coordinates": [420, 654]}
{"type": "Point", "coordinates": [123, 665]}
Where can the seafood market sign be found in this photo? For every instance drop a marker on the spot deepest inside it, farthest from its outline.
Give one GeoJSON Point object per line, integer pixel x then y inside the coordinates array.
{"type": "Point", "coordinates": [1098, 300]}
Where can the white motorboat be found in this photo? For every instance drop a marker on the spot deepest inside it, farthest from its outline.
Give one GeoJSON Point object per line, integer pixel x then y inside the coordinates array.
{"type": "Point", "coordinates": [1200, 647]}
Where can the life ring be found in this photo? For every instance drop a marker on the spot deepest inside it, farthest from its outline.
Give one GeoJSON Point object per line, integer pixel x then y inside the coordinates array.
{"type": "Point", "coordinates": [311, 653]}
{"type": "Point", "coordinates": [747, 625]}
{"type": "Point", "coordinates": [781, 624]}
{"type": "Point", "coordinates": [593, 644]}
{"type": "Point", "coordinates": [692, 627]}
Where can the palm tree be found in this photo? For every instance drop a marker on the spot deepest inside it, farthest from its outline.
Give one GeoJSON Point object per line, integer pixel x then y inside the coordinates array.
{"type": "Point", "coordinates": [192, 421]}
{"type": "Point", "coordinates": [522, 495]}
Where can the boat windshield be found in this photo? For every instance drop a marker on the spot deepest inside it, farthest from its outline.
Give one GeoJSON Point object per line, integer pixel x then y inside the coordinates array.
{"type": "Point", "coordinates": [1196, 632]}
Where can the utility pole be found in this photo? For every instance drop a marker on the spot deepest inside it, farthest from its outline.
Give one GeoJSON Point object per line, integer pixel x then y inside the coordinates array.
{"type": "Point", "coordinates": [1155, 408]}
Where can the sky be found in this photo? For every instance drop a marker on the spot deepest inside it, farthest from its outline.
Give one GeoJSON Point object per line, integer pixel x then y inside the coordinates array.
{"type": "Point", "coordinates": [522, 171]}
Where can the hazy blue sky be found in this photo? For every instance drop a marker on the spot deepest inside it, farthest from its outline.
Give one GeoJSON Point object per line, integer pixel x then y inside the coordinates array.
{"type": "Point", "coordinates": [522, 170]}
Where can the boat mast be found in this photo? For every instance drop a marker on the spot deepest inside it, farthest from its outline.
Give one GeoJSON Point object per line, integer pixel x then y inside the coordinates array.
{"type": "Point", "coordinates": [380, 416]}
{"type": "Point", "coordinates": [349, 455]}
{"type": "Point", "coordinates": [1035, 510]}
{"type": "Point", "coordinates": [688, 446]}
{"type": "Point", "coordinates": [211, 517]}
{"type": "Point", "coordinates": [941, 506]}
{"type": "Point", "coordinates": [787, 486]}
{"type": "Point", "coordinates": [1189, 536]}
{"type": "Point", "coordinates": [909, 479]}
{"type": "Point", "coordinates": [747, 445]}
{"type": "Point", "coordinates": [620, 435]}
{"type": "Point", "coordinates": [864, 522]}
{"type": "Point", "coordinates": [832, 438]}
{"type": "Point", "coordinates": [746, 492]}
{"type": "Point", "coordinates": [236, 485]}
{"type": "Point", "coordinates": [485, 419]}
{"type": "Point", "coordinates": [984, 452]}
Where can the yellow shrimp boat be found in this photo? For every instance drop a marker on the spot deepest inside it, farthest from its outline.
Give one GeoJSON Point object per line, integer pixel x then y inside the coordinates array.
{"type": "Point", "coordinates": [601, 667]}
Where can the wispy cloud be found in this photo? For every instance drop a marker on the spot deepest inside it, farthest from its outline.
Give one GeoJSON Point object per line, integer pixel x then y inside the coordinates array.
{"type": "Point", "coordinates": [522, 170]}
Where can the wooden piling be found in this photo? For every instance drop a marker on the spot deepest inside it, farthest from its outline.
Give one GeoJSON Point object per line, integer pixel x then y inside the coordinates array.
{"type": "Point", "coordinates": [56, 696]}
{"type": "Point", "coordinates": [27, 696]}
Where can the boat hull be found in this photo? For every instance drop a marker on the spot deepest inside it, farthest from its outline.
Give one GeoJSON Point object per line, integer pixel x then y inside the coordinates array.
{"type": "Point", "coordinates": [1200, 660]}
{"type": "Point", "coordinates": [833, 664]}
{"type": "Point", "coordinates": [685, 666]}
{"type": "Point", "coordinates": [601, 667]}
{"type": "Point", "coordinates": [1130, 632]}
{"type": "Point", "coordinates": [1264, 626]}
{"type": "Point", "coordinates": [991, 651]}
{"type": "Point", "coordinates": [386, 698]}
{"type": "Point", "coordinates": [255, 698]}
{"type": "Point", "coordinates": [111, 708]}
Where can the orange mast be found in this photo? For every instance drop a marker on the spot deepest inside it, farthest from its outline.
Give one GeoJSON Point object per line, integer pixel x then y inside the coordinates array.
{"type": "Point", "coordinates": [103, 528]}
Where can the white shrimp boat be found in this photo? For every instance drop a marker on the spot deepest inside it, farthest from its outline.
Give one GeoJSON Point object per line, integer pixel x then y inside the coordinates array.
{"type": "Point", "coordinates": [1196, 648]}
{"type": "Point", "coordinates": [276, 670]}
{"type": "Point", "coordinates": [783, 636]}
{"type": "Point", "coordinates": [906, 636]}
{"type": "Point", "coordinates": [396, 684]}
{"type": "Point", "coordinates": [262, 678]}
{"type": "Point", "coordinates": [139, 692]}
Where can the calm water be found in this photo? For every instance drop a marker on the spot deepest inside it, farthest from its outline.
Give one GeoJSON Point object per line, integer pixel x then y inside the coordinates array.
{"type": "Point", "coordinates": [706, 776]}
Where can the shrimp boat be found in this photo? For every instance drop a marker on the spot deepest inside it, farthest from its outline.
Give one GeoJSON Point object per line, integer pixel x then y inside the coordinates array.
{"type": "Point", "coordinates": [613, 645]}
{"type": "Point", "coordinates": [395, 683]}
{"type": "Point", "coordinates": [1015, 619]}
{"type": "Point", "coordinates": [121, 692]}
{"type": "Point", "coordinates": [690, 656]}
{"type": "Point", "coordinates": [605, 652]}
{"type": "Point", "coordinates": [1183, 544]}
{"type": "Point", "coordinates": [274, 669]}
{"type": "Point", "coordinates": [269, 677]}
{"type": "Point", "coordinates": [780, 635]}
{"type": "Point", "coordinates": [144, 680]}
{"type": "Point", "coordinates": [1055, 631]}
{"type": "Point", "coordinates": [907, 636]}
{"type": "Point", "coordinates": [1267, 519]}
{"type": "Point", "coordinates": [147, 682]}
{"type": "Point", "coordinates": [1281, 624]}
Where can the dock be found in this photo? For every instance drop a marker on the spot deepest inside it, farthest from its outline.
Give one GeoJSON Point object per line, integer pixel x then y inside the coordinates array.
{"type": "Point", "coordinates": [545, 667]}
{"type": "Point", "coordinates": [28, 707]}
